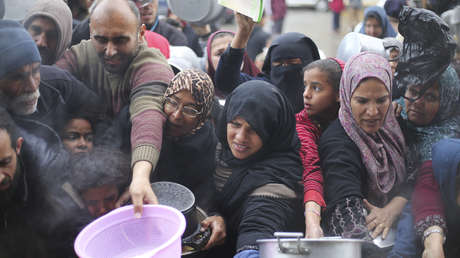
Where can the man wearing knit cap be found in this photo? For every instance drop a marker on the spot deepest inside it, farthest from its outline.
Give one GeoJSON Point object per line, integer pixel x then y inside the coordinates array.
{"type": "Point", "coordinates": [19, 53]}
{"type": "Point", "coordinates": [37, 96]}
{"type": "Point", "coordinates": [120, 67]}
{"type": "Point", "coordinates": [49, 22]}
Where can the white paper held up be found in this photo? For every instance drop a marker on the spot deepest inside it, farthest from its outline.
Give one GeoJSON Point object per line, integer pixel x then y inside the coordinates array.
{"type": "Point", "coordinates": [251, 8]}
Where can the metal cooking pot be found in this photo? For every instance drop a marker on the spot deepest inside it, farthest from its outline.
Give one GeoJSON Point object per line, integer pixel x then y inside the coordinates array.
{"type": "Point", "coordinates": [292, 245]}
{"type": "Point", "coordinates": [179, 197]}
{"type": "Point", "coordinates": [16, 10]}
{"type": "Point", "coordinates": [192, 245]}
{"type": "Point", "coordinates": [201, 12]}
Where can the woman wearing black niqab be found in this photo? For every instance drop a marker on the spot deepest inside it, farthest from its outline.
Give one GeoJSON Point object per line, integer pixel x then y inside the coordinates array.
{"type": "Point", "coordinates": [289, 77]}
{"type": "Point", "coordinates": [286, 57]}
{"type": "Point", "coordinates": [258, 195]}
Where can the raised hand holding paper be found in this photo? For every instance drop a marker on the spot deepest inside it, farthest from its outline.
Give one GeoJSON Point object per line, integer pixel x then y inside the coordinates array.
{"type": "Point", "coordinates": [250, 8]}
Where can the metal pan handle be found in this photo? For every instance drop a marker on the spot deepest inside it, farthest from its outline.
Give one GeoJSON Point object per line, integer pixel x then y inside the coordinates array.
{"type": "Point", "coordinates": [298, 249]}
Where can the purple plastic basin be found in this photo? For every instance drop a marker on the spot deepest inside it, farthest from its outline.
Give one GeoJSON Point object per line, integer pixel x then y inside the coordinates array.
{"type": "Point", "coordinates": [119, 234]}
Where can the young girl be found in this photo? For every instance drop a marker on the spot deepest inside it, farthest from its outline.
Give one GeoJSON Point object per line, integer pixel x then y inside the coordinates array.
{"type": "Point", "coordinates": [321, 101]}
{"type": "Point", "coordinates": [77, 134]}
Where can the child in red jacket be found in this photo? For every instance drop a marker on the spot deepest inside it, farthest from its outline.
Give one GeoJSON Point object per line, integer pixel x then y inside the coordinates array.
{"type": "Point", "coordinates": [321, 102]}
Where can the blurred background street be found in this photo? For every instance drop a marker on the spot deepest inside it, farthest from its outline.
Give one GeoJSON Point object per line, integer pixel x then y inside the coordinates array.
{"type": "Point", "coordinates": [317, 24]}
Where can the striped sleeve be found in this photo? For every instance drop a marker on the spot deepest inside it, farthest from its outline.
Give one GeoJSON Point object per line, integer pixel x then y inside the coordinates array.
{"type": "Point", "coordinates": [149, 83]}
{"type": "Point", "coordinates": [312, 175]}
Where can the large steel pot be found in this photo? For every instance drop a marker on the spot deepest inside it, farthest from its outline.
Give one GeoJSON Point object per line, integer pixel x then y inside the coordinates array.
{"type": "Point", "coordinates": [292, 245]}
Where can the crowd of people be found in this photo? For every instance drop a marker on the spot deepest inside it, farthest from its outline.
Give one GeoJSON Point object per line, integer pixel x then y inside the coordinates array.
{"type": "Point", "coordinates": [98, 99]}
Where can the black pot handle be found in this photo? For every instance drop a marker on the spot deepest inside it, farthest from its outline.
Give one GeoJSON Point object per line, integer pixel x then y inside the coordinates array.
{"type": "Point", "coordinates": [197, 240]}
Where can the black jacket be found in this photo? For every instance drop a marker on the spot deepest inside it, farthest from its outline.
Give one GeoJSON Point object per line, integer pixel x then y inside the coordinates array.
{"type": "Point", "coordinates": [51, 214]}
{"type": "Point", "coordinates": [343, 169]}
{"type": "Point", "coordinates": [190, 161]}
{"type": "Point", "coordinates": [61, 95]}
{"type": "Point", "coordinates": [173, 35]}
{"type": "Point", "coordinates": [38, 166]}
{"type": "Point", "coordinates": [193, 40]}
{"type": "Point", "coordinates": [80, 32]}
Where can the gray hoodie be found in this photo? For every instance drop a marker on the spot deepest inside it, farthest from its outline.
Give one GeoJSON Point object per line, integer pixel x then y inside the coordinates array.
{"type": "Point", "coordinates": [59, 12]}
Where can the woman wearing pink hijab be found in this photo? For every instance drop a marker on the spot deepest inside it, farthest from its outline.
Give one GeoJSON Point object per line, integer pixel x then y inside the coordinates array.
{"type": "Point", "coordinates": [362, 154]}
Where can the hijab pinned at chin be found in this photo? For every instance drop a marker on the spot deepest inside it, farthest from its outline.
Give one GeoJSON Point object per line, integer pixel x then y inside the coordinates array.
{"type": "Point", "coordinates": [382, 153]}
{"type": "Point", "coordinates": [270, 115]}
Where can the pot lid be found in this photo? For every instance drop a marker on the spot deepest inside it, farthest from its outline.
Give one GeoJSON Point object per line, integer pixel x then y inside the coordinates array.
{"type": "Point", "coordinates": [313, 240]}
{"type": "Point", "coordinates": [174, 195]}
{"type": "Point", "coordinates": [191, 10]}
{"type": "Point", "coordinates": [353, 43]}
{"type": "Point", "coordinates": [16, 10]}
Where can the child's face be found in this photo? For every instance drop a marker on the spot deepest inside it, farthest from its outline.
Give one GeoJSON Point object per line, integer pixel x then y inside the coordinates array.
{"type": "Point", "coordinates": [319, 96]}
{"type": "Point", "coordinates": [100, 200]}
{"type": "Point", "coordinates": [78, 136]}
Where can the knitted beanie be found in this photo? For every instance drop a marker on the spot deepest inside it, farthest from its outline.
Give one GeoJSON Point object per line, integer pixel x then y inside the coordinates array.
{"type": "Point", "coordinates": [17, 48]}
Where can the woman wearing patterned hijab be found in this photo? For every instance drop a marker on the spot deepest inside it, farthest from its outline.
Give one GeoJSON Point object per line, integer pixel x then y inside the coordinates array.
{"type": "Point", "coordinates": [362, 153]}
{"type": "Point", "coordinates": [430, 113]}
{"type": "Point", "coordinates": [188, 149]}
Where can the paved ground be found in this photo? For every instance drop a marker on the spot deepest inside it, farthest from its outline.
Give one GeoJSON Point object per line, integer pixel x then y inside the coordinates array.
{"type": "Point", "coordinates": [317, 25]}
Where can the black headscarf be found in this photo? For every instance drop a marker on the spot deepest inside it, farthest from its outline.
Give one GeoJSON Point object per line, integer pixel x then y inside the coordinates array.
{"type": "Point", "coordinates": [424, 58]}
{"type": "Point", "coordinates": [270, 115]}
{"type": "Point", "coordinates": [289, 79]}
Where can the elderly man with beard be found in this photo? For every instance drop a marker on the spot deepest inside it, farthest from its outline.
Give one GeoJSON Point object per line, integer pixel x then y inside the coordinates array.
{"type": "Point", "coordinates": [119, 66]}
{"type": "Point", "coordinates": [38, 97]}
{"type": "Point", "coordinates": [49, 22]}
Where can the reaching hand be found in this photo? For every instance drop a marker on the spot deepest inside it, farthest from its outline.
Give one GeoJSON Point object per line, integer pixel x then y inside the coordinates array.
{"type": "Point", "coordinates": [140, 188]}
{"type": "Point", "coordinates": [433, 245]}
{"type": "Point", "coordinates": [433, 252]}
{"type": "Point", "coordinates": [243, 31]}
{"type": "Point", "coordinates": [244, 23]}
{"type": "Point", "coordinates": [312, 220]}
{"type": "Point", "coordinates": [218, 230]}
{"type": "Point", "coordinates": [379, 220]}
